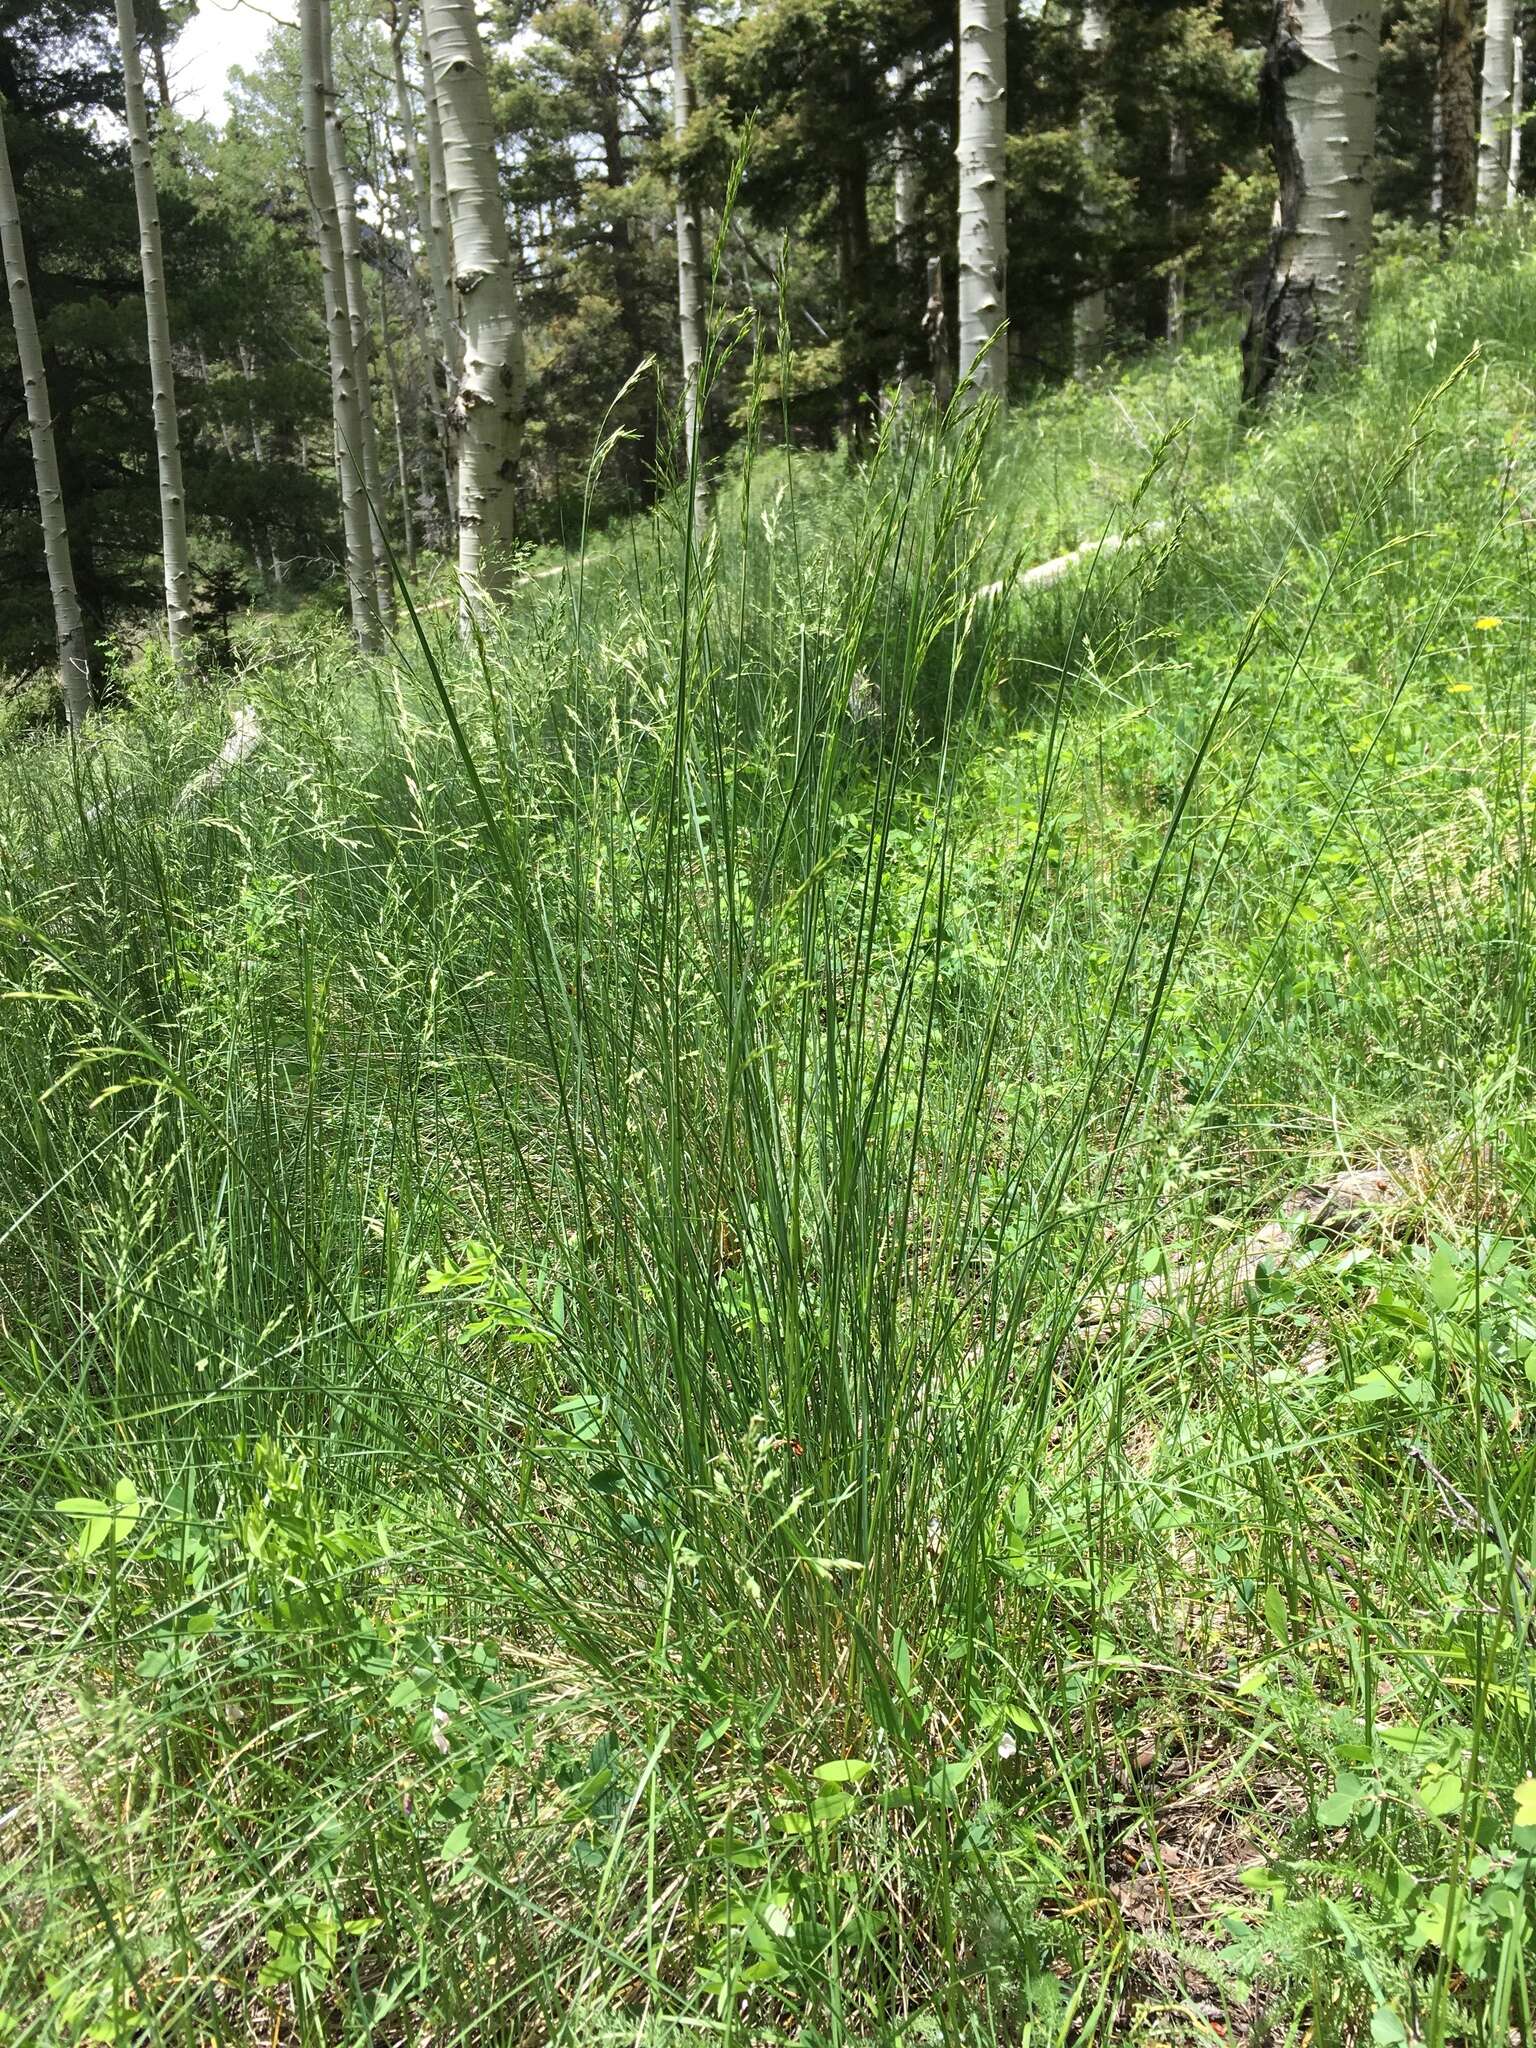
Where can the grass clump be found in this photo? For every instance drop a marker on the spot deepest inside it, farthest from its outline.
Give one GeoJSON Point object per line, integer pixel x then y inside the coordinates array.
{"type": "Point", "coordinates": [693, 1338]}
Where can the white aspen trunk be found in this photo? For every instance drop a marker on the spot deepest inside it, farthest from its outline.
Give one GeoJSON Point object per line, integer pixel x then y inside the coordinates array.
{"type": "Point", "coordinates": [1178, 165]}
{"type": "Point", "coordinates": [1496, 131]}
{"type": "Point", "coordinates": [1090, 316]}
{"type": "Point", "coordinates": [157, 320]}
{"type": "Point", "coordinates": [359, 324]}
{"type": "Point", "coordinates": [440, 230]}
{"type": "Point", "coordinates": [418, 314]}
{"type": "Point", "coordinates": [436, 253]}
{"type": "Point", "coordinates": [402, 219]}
{"type": "Point", "coordinates": [346, 412]}
{"type": "Point", "coordinates": [440, 254]}
{"type": "Point", "coordinates": [690, 276]}
{"type": "Point", "coordinates": [905, 199]}
{"type": "Point", "coordinates": [983, 195]}
{"type": "Point", "coordinates": [1319, 94]}
{"type": "Point", "coordinates": [402, 468]}
{"type": "Point", "coordinates": [68, 625]}
{"type": "Point", "coordinates": [1516, 101]}
{"type": "Point", "coordinates": [935, 328]}
{"type": "Point", "coordinates": [488, 414]}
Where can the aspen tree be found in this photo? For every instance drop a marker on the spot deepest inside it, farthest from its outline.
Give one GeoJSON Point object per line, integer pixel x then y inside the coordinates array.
{"type": "Point", "coordinates": [385, 175]}
{"type": "Point", "coordinates": [936, 333]}
{"type": "Point", "coordinates": [488, 413]}
{"type": "Point", "coordinates": [690, 275]}
{"type": "Point", "coordinates": [1455, 113]}
{"type": "Point", "coordinates": [398, 291]}
{"type": "Point", "coordinates": [359, 324]}
{"type": "Point", "coordinates": [906, 199]}
{"type": "Point", "coordinates": [157, 320]}
{"type": "Point", "coordinates": [440, 255]}
{"type": "Point", "coordinates": [402, 467]}
{"type": "Point", "coordinates": [440, 229]}
{"type": "Point", "coordinates": [1516, 102]}
{"type": "Point", "coordinates": [68, 624]}
{"type": "Point", "coordinates": [1496, 132]}
{"type": "Point", "coordinates": [1178, 170]}
{"type": "Point", "coordinates": [983, 192]}
{"type": "Point", "coordinates": [1090, 316]}
{"type": "Point", "coordinates": [346, 411]}
{"type": "Point", "coordinates": [434, 250]}
{"type": "Point", "coordinates": [1318, 89]}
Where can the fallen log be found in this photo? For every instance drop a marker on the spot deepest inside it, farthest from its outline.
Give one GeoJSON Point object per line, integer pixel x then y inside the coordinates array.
{"type": "Point", "coordinates": [1044, 574]}
{"type": "Point", "coordinates": [245, 737]}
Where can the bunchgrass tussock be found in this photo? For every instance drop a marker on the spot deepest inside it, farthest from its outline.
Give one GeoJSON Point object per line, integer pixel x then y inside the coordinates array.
{"type": "Point", "coordinates": [690, 1342]}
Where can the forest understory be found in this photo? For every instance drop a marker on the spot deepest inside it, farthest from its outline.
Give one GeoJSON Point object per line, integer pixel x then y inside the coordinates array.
{"type": "Point", "coordinates": [795, 1303]}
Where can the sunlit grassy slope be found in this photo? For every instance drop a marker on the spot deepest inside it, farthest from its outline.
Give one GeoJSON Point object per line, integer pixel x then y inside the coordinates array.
{"type": "Point", "coordinates": [664, 1372]}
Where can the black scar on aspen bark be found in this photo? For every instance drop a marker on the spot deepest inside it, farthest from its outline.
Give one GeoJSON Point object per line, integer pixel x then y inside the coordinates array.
{"type": "Point", "coordinates": [1282, 319]}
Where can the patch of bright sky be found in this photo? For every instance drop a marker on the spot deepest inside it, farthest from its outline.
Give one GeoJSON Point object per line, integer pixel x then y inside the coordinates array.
{"type": "Point", "coordinates": [221, 36]}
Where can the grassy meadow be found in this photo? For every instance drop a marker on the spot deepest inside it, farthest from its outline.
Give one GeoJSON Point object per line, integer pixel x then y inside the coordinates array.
{"type": "Point", "coordinates": [799, 1305]}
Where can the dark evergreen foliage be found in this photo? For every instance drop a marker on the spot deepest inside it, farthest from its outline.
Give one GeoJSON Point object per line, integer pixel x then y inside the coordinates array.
{"type": "Point", "coordinates": [814, 100]}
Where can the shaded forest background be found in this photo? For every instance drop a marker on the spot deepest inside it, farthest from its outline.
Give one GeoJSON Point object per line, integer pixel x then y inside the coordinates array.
{"type": "Point", "coordinates": [817, 101]}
